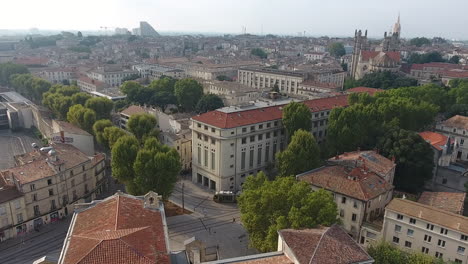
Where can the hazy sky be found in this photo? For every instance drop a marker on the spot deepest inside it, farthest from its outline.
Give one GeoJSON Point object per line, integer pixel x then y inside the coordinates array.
{"type": "Point", "coordinates": [446, 18]}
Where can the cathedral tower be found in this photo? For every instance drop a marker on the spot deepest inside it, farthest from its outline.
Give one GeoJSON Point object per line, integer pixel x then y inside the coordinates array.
{"type": "Point", "coordinates": [360, 43]}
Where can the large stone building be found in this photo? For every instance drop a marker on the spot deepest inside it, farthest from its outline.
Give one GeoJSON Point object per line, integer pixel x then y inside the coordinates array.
{"type": "Point", "coordinates": [110, 74]}
{"type": "Point", "coordinates": [229, 144]}
{"type": "Point", "coordinates": [43, 187]}
{"type": "Point", "coordinates": [119, 229]}
{"type": "Point", "coordinates": [457, 128]}
{"type": "Point", "coordinates": [361, 183]}
{"type": "Point", "coordinates": [423, 228]}
{"type": "Point", "coordinates": [258, 78]}
{"type": "Point", "coordinates": [386, 57]}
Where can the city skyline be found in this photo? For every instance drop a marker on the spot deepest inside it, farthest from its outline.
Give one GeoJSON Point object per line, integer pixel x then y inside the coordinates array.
{"type": "Point", "coordinates": [273, 17]}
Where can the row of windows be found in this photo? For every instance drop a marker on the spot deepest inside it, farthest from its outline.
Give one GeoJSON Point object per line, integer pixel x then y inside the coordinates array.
{"type": "Point", "coordinates": [205, 158]}
{"type": "Point", "coordinates": [442, 231]}
{"type": "Point", "coordinates": [259, 160]}
{"type": "Point", "coordinates": [441, 243]}
{"type": "Point", "coordinates": [259, 137]}
{"type": "Point", "coordinates": [261, 126]}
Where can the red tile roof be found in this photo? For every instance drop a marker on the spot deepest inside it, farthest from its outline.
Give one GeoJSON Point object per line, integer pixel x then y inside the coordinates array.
{"type": "Point", "coordinates": [359, 183]}
{"type": "Point", "coordinates": [457, 121]}
{"type": "Point", "coordinates": [361, 89]}
{"type": "Point", "coordinates": [367, 55]}
{"type": "Point", "coordinates": [449, 201]}
{"type": "Point", "coordinates": [8, 190]}
{"type": "Point", "coordinates": [117, 230]}
{"type": "Point", "coordinates": [326, 245]}
{"type": "Point", "coordinates": [437, 140]}
{"type": "Point", "coordinates": [132, 110]}
{"type": "Point", "coordinates": [96, 83]}
{"type": "Point", "coordinates": [32, 61]}
{"type": "Point", "coordinates": [368, 158]}
{"type": "Point", "coordinates": [282, 259]}
{"type": "Point", "coordinates": [242, 118]}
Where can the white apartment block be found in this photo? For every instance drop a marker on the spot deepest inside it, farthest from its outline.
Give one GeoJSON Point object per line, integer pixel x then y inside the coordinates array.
{"type": "Point", "coordinates": [231, 143]}
{"type": "Point", "coordinates": [259, 78]}
{"type": "Point", "coordinates": [456, 128]}
{"type": "Point", "coordinates": [58, 75]}
{"type": "Point", "coordinates": [312, 56]}
{"type": "Point", "coordinates": [111, 76]}
{"type": "Point", "coordinates": [45, 187]}
{"type": "Point", "coordinates": [423, 228]}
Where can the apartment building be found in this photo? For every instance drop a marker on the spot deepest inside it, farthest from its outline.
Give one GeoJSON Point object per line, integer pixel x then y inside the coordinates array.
{"type": "Point", "coordinates": [89, 85]}
{"type": "Point", "coordinates": [361, 183]}
{"type": "Point", "coordinates": [423, 228]}
{"type": "Point", "coordinates": [312, 56]}
{"type": "Point", "coordinates": [231, 143]}
{"type": "Point", "coordinates": [156, 71]}
{"type": "Point", "coordinates": [44, 187]}
{"type": "Point", "coordinates": [258, 78]}
{"type": "Point", "coordinates": [58, 75]}
{"type": "Point", "coordinates": [111, 75]}
{"type": "Point", "coordinates": [232, 93]}
{"type": "Point", "coordinates": [457, 128]}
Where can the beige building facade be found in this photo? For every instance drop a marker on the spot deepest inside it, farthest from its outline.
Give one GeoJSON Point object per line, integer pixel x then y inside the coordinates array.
{"type": "Point", "coordinates": [50, 183]}
{"type": "Point", "coordinates": [422, 228]}
{"type": "Point", "coordinates": [258, 78]}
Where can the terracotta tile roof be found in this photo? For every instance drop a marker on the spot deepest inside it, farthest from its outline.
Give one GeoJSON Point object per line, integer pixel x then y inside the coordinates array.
{"type": "Point", "coordinates": [368, 158]}
{"type": "Point", "coordinates": [132, 110]}
{"type": "Point", "coordinates": [34, 165]}
{"type": "Point", "coordinates": [358, 183]}
{"type": "Point", "coordinates": [430, 214]}
{"type": "Point", "coordinates": [454, 74]}
{"type": "Point", "coordinates": [8, 190]}
{"type": "Point", "coordinates": [242, 118]}
{"type": "Point", "coordinates": [457, 121]}
{"type": "Point", "coordinates": [370, 91]}
{"type": "Point", "coordinates": [326, 245]}
{"type": "Point", "coordinates": [367, 55]}
{"type": "Point", "coordinates": [96, 83]}
{"type": "Point", "coordinates": [319, 84]}
{"type": "Point", "coordinates": [449, 201]}
{"type": "Point", "coordinates": [32, 61]}
{"type": "Point", "coordinates": [117, 230]}
{"type": "Point", "coordinates": [437, 140]}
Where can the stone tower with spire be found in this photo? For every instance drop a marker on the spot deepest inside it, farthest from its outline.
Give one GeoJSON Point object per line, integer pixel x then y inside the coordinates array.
{"type": "Point", "coordinates": [360, 44]}
{"type": "Point", "coordinates": [391, 42]}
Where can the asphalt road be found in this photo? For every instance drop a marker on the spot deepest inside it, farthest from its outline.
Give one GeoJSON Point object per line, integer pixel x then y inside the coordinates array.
{"type": "Point", "coordinates": [14, 143]}
{"type": "Point", "coordinates": [26, 249]}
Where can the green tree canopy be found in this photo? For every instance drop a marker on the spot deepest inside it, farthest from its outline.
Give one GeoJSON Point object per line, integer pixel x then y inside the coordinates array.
{"type": "Point", "coordinates": [301, 155]}
{"type": "Point", "coordinates": [209, 102]}
{"type": "Point", "coordinates": [296, 116]}
{"type": "Point", "coordinates": [141, 125]}
{"type": "Point", "coordinates": [112, 134]}
{"type": "Point", "coordinates": [386, 253]}
{"type": "Point", "coordinates": [102, 106]}
{"type": "Point", "coordinates": [454, 59]}
{"type": "Point", "coordinates": [414, 158]}
{"type": "Point", "coordinates": [433, 56]}
{"type": "Point", "coordinates": [98, 130]}
{"type": "Point", "coordinates": [259, 53]}
{"type": "Point", "coordinates": [8, 69]}
{"type": "Point", "coordinates": [418, 42]}
{"type": "Point", "coordinates": [80, 98]}
{"type": "Point", "coordinates": [381, 80]}
{"type": "Point", "coordinates": [30, 86]}
{"type": "Point", "coordinates": [269, 206]}
{"type": "Point", "coordinates": [82, 117]}
{"type": "Point", "coordinates": [336, 49]}
{"type": "Point", "coordinates": [156, 169]}
{"type": "Point", "coordinates": [163, 92]}
{"type": "Point", "coordinates": [124, 153]}
{"type": "Point", "coordinates": [188, 93]}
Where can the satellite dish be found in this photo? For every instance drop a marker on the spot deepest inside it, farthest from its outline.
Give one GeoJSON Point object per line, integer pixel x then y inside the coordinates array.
{"type": "Point", "coordinates": [34, 145]}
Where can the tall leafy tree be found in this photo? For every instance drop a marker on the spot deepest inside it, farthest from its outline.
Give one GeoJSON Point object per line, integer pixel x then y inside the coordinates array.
{"type": "Point", "coordinates": [141, 125]}
{"type": "Point", "coordinates": [296, 116]}
{"type": "Point", "coordinates": [420, 41]}
{"type": "Point", "coordinates": [259, 53]}
{"type": "Point", "coordinates": [80, 98]}
{"type": "Point", "coordinates": [384, 252]}
{"type": "Point", "coordinates": [413, 155]}
{"type": "Point", "coordinates": [111, 135]}
{"type": "Point", "coordinates": [209, 102]}
{"type": "Point", "coordinates": [124, 153]}
{"type": "Point", "coordinates": [132, 90]}
{"type": "Point", "coordinates": [336, 49]}
{"type": "Point", "coordinates": [156, 169]}
{"type": "Point", "coordinates": [188, 93]}
{"type": "Point", "coordinates": [163, 92]}
{"type": "Point", "coordinates": [102, 106]}
{"type": "Point", "coordinates": [98, 130]}
{"type": "Point", "coordinates": [8, 69]}
{"type": "Point", "coordinates": [82, 117]}
{"type": "Point", "coordinates": [268, 206]}
{"type": "Point", "coordinates": [301, 155]}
